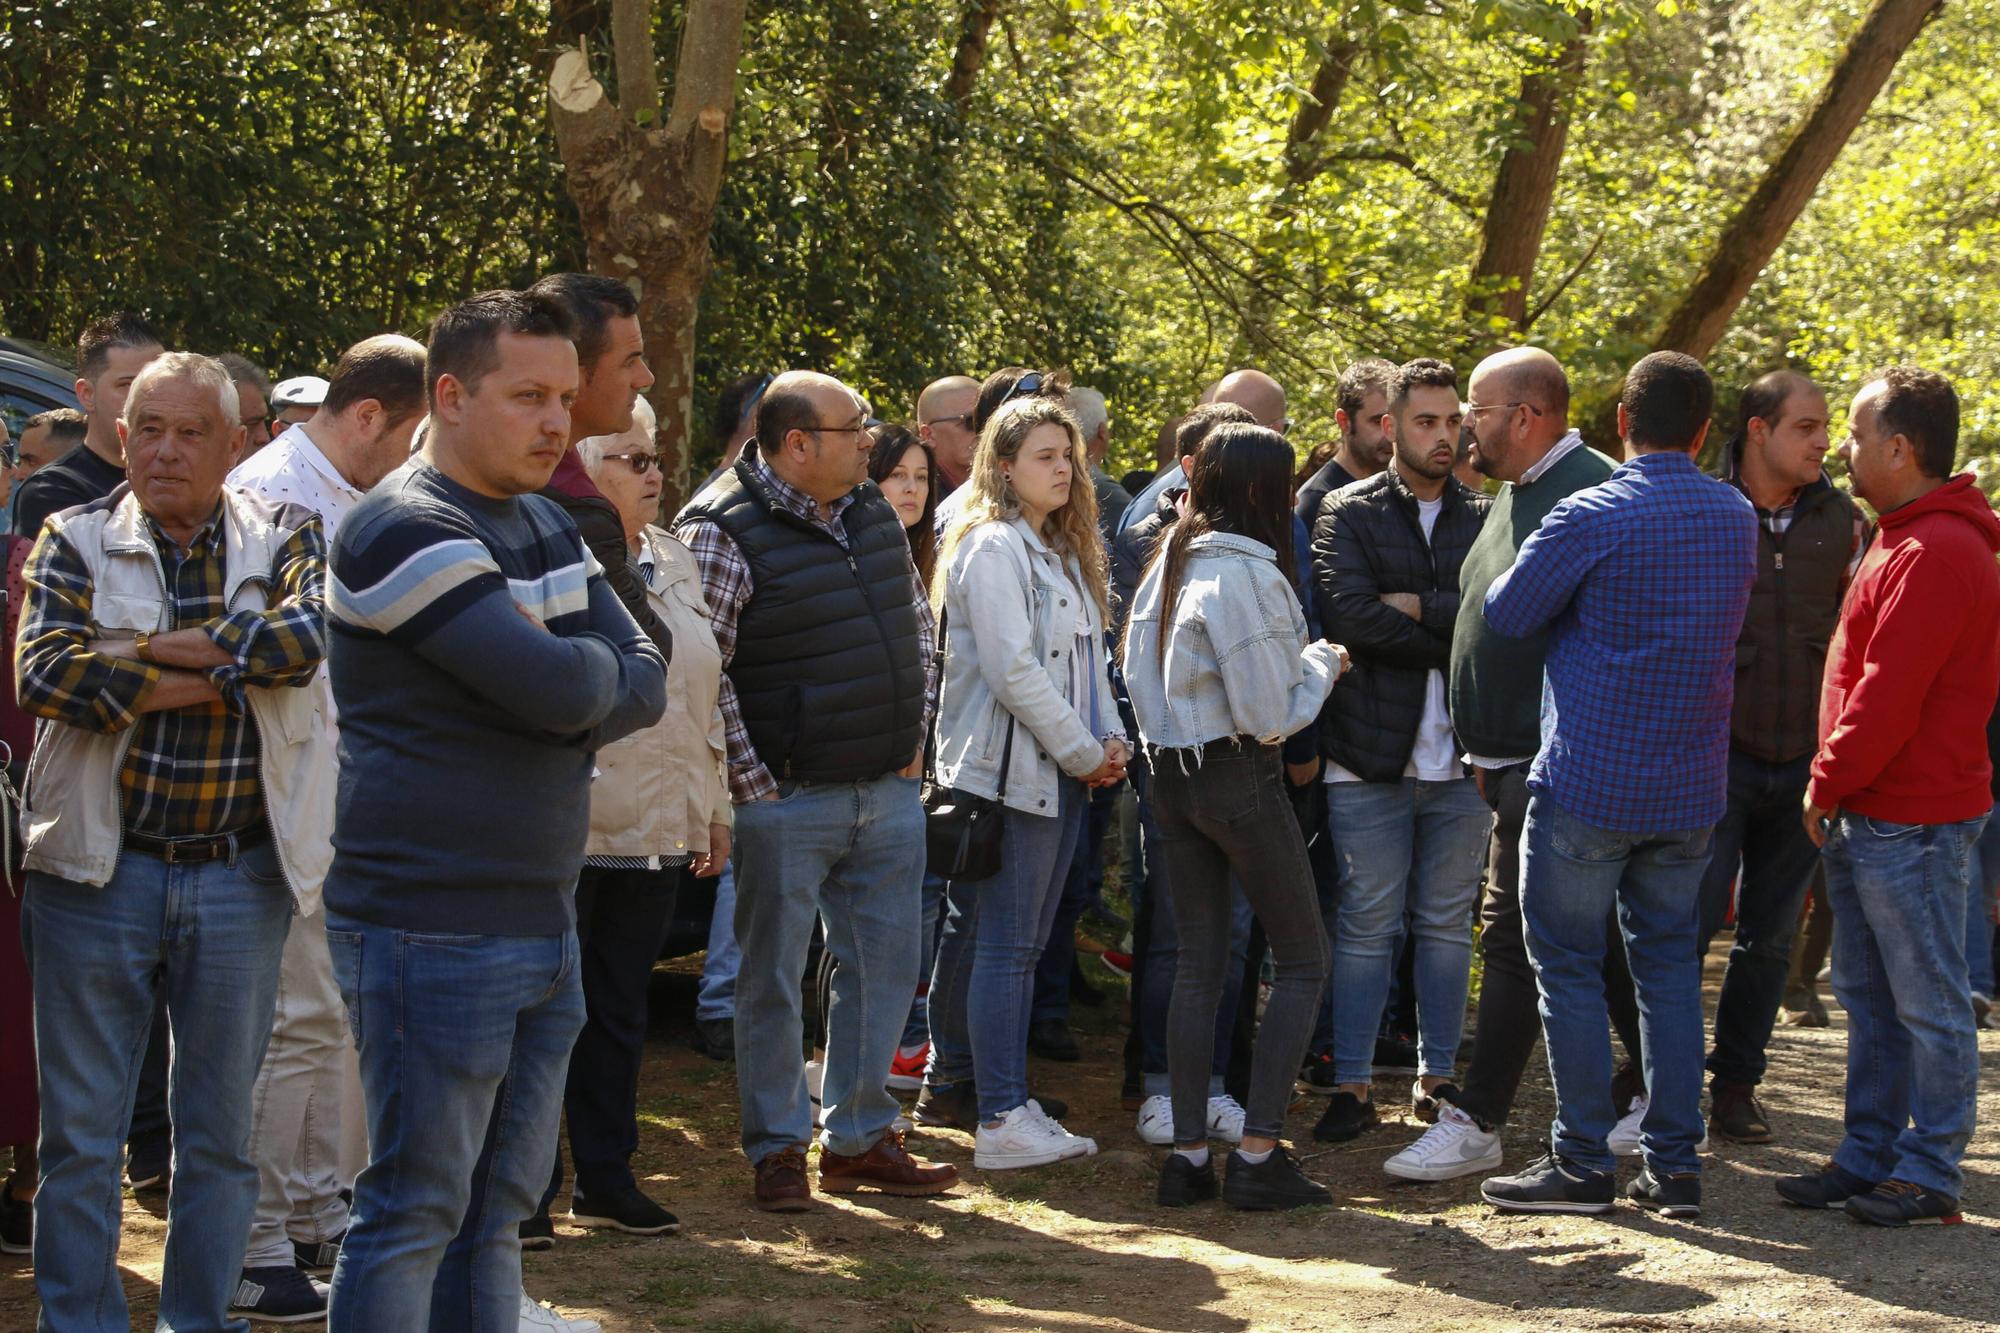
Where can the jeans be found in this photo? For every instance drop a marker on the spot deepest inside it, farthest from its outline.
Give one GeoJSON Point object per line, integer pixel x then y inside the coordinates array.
{"type": "Point", "coordinates": [295, 1117]}
{"type": "Point", "coordinates": [1573, 874]}
{"type": "Point", "coordinates": [1385, 831]}
{"type": "Point", "coordinates": [917, 1028]}
{"type": "Point", "coordinates": [1761, 828]}
{"type": "Point", "coordinates": [1979, 927]}
{"type": "Point", "coordinates": [717, 997]}
{"type": "Point", "coordinates": [1232, 814]}
{"type": "Point", "coordinates": [1083, 885]}
{"type": "Point", "coordinates": [852, 855]}
{"type": "Point", "coordinates": [207, 935]}
{"type": "Point", "coordinates": [464, 1041]}
{"type": "Point", "coordinates": [1898, 898]}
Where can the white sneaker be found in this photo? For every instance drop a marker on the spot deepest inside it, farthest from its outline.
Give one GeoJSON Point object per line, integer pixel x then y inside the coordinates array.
{"type": "Point", "coordinates": [1156, 1121]}
{"type": "Point", "coordinates": [1026, 1137]}
{"type": "Point", "coordinates": [1455, 1146]}
{"type": "Point", "coordinates": [539, 1318]}
{"type": "Point", "coordinates": [816, 1087]}
{"type": "Point", "coordinates": [1624, 1137]}
{"type": "Point", "coordinates": [1225, 1119]}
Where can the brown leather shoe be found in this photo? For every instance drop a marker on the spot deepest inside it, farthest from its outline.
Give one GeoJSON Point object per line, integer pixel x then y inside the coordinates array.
{"type": "Point", "coordinates": [782, 1186]}
{"type": "Point", "coordinates": [887, 1167]}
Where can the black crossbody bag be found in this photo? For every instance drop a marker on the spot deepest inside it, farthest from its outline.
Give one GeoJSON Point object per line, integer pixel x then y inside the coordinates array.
{"type": "Point", "coordinates": [962, 831]}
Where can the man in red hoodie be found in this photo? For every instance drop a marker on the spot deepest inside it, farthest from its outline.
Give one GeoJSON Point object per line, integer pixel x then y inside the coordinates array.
{"type": "Point", "coordinates": [1899, 793]}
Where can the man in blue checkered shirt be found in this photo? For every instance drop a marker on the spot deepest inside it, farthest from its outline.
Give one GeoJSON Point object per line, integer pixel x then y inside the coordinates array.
{"type": "Point", "coordinates": [1642, 582]}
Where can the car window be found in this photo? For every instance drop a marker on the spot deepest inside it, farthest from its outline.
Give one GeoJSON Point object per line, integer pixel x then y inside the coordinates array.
{"type": "Point", "coordinates": [18, 402]}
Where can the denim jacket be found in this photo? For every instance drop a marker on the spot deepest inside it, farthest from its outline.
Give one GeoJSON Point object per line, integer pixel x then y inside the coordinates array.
{"type": "Point", "coordinates": [1010, 634]}
{"type": "Point", "coordinates": [1237, 661]}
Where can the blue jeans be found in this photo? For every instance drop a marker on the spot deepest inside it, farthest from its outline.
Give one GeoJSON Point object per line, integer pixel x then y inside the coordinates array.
{"type": "Point", "coordinates": [1082, 886]}
{"type": "Point", "coordinates": [209, 936]}
{"type": "Point", "coordinates": [465, 1042]}
{"type": "Point", "coordinates": [917, 1028]}
{"type": "Point", "coordinates": [850, 854]}
{"type": "Point", "coordinates": [1573, 875]}
{"type": "Point", "coordinates": [1979, 927]}
{"type": "Point", "coordinates": [717, 997]}
{"type": "Point", "coordinates": [1415, 846]}
{"type": "Point", "coordinates": [1898, 897]}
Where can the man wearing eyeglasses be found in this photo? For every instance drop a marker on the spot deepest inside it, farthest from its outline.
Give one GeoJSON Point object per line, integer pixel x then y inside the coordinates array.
{"type": "Point", "coordinates": [826, 637]}
{"type": "Point", "coordinates": [944, 422]}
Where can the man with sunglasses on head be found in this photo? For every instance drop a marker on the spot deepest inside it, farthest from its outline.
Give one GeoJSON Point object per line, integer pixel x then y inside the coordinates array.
{"type": "Point", "coordinates": [1002, 386]}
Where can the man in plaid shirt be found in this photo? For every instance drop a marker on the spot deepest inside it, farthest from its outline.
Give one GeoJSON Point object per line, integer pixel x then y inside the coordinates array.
{"type": "Point", "coordinates": [178, 809]}
{"type": "Point", "coordinates": [1642, 581]}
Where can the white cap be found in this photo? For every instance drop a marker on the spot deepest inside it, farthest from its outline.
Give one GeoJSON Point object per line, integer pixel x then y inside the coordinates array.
{"type": "Point", "coordinates": [299, 391]}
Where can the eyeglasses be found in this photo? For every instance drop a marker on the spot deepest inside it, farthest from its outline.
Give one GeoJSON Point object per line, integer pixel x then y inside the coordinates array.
{"type": "Point", "coordinates": [639, 461]}
{"type": "Point", "coordinates": [1474, 409]}
{"type": "Point", "coordinates": [865, 423]}
{"type": "Point", "coordinates": [756, 397]}
{"type": "Point", "coordinates": [963, 421]}
{"type": "Point", "coordinates": [10, 455]}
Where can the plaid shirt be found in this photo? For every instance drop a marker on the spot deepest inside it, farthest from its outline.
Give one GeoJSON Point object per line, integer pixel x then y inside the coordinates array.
{"type": "Point", "coordinates": [189, 772]}
{"type": "Point", "coordinates": [726, 582]}
{"type": "Point", "coordinates": [1643, 580]}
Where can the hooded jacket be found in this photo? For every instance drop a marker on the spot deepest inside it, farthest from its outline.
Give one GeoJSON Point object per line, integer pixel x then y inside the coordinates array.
{"type": "Point", "coordinates": [1914, 666]}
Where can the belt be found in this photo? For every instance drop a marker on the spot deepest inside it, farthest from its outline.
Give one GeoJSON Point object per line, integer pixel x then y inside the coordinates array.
{"type": "Point", "coordinates": [189, 851]}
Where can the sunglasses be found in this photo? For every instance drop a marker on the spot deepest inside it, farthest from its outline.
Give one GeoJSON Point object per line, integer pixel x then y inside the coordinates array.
{"type": "Point", "coordinates": [1028, 384]}
{"type": "Point", "coordinates": [639, 461]}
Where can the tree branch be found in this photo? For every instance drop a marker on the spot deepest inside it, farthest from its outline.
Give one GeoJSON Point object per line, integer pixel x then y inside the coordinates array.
{"type": "Point", "coordinates": [632, 54]}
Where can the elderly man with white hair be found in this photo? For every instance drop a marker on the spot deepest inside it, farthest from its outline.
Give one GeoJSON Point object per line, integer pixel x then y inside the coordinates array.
{"type": "Point", "coordinates": [659, 811]}
{"type": "Point", "coordinates": [178, 812]}
{"type": "Point", "coordinates": [1093, 422]}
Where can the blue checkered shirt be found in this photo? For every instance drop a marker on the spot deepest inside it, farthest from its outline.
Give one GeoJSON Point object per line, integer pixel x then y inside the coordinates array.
{"type": "Point", "coordinates": [1642, 581]}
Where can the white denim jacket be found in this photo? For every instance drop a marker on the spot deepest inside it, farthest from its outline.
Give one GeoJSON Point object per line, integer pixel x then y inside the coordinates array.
{"type": "Point", "coordinates": [1237, 661]}
{"type": "Point", "coordinates": [1010, 634]}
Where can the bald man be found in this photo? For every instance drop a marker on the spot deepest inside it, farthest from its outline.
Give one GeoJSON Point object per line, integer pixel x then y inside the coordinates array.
{"type": "Point", "coordinates": [944, 422]}
{"type": "Point", "coordinates": [1252, 390]}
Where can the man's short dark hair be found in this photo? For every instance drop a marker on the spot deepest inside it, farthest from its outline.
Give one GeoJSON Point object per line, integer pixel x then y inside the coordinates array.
{"type": "Point", "coordinates": [593, 302]}
{"type": "Point", "coordinates": [465, 340]}
{"type": "Point", "coordinates": [780, 412]}
{"type": "Point", "coordinates": [1423, 373]}
{"type": "Point", "coordinates": [1361, 379]}
{"type": "Point", "coordinates": [242, 370]}
{"type": "Point", "coordinates": [1667, 399]}
{"type": "Point", "coordinates": [736, 399]}
{"type": "Point", "coordinates": [121, 328]}
{"type": "Point", "coordinates": [1921, 406]}
{"type": "Point", "coordinates": [66, 424]}
{"type": "Point", "coordinates": [1193, 428]}
{"type": "Point", "coordinates": [388, 369]}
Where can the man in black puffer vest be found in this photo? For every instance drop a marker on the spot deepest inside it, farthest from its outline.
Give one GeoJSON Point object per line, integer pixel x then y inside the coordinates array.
{"type": "Point", "coordinates": [1409, 827]}
{"type": "Point", "coordinates": [826, 639]}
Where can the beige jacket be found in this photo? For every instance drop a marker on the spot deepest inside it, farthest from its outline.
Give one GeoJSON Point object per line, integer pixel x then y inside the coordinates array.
{"type": "Point", "coordinates": [658, 790]}
{"type": "Point", "coordinates": [71, 825]}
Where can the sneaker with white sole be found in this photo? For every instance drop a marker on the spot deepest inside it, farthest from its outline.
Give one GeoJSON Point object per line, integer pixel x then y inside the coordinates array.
{"type": "Point", "coordinates": [1225, 1119]}
{"type": "Point", "coordinates": [1156, 1121]}
{"type": "Point", "coordinates": [1623, 1141]}
{"type": "Point", "coordinates": [1455, 1146]}
{"type": "Point", "coordinates": [279, 1294]}
{"type": "Point", "coordinates": [1026, 1137]}
{"type": "Point", "coordinates": [816, 1085]}
{"type": "Point", "coordinates": [539, 1318]}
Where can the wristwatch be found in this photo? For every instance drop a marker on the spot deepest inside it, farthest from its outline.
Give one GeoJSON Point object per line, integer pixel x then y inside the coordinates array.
{"type": "Point", "coordinates": [142, 645]}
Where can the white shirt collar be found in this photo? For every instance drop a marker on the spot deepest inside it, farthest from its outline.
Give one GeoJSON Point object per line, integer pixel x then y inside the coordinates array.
{"type": "Point", "coordinates": [1557, 451]}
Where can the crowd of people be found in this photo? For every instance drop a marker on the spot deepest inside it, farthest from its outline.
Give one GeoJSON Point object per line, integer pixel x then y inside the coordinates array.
{"type": "Point", "coordinates": [365, 730]}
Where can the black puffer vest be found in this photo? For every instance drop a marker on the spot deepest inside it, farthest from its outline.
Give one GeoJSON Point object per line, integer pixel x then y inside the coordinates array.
{"type": "Point", "coordinates": [827, 668]}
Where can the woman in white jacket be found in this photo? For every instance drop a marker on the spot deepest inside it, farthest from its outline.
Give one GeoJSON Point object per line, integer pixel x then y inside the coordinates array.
{"type": "Point", "coordinates": [1219, 671]}
{"type": "Point", "coordinates": [1026, 715]}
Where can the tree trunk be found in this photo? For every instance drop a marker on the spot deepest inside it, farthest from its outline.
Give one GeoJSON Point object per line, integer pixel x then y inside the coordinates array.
{"type": "Point", "coordinates": [1524, 188]}
{"type": "Point", "coordinates": [970, 56]}
{"type": "Point", "coordinates": [645, 191]}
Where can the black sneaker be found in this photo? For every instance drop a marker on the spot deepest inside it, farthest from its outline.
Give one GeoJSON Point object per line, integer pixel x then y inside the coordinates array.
{"type": "Point", "coordinates": [1552, 1185]}
{"type": "Point", "coordinates": [1735, 1114]}
{"type": "Point", "coordinates": [1426, 1105]}
{"type": "Point", "coordinates": [147, 1167]}
{"type": "Point", "coordinates": [1898, 1203]}
{"type": "Point", "coordinates": [1317, 1074]}
{"type": "Point", "coordinates": [1829, 1187]}
{"type": "Point", "coordinates": [1051, 1039]}
{"type": "Point", "coordinates": [1274, 1184]}
{"type": "Point", "coordinates": [318, 1256]}
{"type": "Point", "coordinates": [1346, 1117]}
{"type": "Point", "coordinates": [626, 1210]}
{"type": "Point", "coordinates": [278, 1295]}
{"type": "Point", "coordinates": [1183, 1183]}
{"type": "Point", "coordinates": [538, 1233]}
{"type": "Point", "coordinates": [1395, 1054]}
{"type": "Point", "coordinates": [956, 1106]}
{"type": "Point", "coordinates": [17, 1223]}
{"type": "Point", "coordinates": [1673, 1196]}
{"type": "Point", "coordinates": [714, 1038]}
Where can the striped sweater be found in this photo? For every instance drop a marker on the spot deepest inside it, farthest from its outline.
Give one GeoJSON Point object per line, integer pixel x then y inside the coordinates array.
{"type": "Point", "coordinates": [466, 730]}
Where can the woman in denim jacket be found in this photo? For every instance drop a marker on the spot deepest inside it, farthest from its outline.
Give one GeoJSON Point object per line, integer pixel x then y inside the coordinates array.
{"type": "Point", "coordinates": [1021, 585]}
{"type": "Point", "coordinates": [1220, 672]}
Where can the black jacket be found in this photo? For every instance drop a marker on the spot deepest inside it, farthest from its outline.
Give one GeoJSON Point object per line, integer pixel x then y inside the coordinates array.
{"type": "Point", "coordinates": [1369, 541]}
{"type": "Point", "coordinates": [597, 521]}
{"type": "Point", "coordinates": [1312, 496]}
{"type": "Point", "coordinates": [1132, 551]}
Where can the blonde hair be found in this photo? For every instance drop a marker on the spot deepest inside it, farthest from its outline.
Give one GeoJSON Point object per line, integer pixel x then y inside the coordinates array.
{"type": "Point", "coordinates": [990, 496]}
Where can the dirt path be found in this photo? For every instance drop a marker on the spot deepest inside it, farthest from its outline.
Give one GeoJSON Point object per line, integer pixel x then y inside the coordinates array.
{"type": "Point", "coordinates": [1083, 1247]}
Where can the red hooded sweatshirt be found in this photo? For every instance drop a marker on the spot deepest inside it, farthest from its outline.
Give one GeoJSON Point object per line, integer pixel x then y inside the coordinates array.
{"type": "Point", "coordinates": [1914, 667]}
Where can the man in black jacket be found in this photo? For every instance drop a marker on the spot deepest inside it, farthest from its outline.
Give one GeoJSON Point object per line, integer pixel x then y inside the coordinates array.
{"type": "Point", "coordinates": [1410, 824]}
{"type": "Point", "coordinates": [1361, 412]}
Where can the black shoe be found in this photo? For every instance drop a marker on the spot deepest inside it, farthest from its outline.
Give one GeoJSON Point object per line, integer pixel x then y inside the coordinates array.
{"type": "Point", "coordinates": [147, 1167]}
{"type": "Point", "coordinates": [1347, 1116]}
{"type": "Point", "coordinates": [626, 1210]}
{"type": "Point", "coordinates": [318, 1256]}
{"type": "Point", "coordinates": [1055, 1108]}
{"type": "Point", "coordinates": [1274, 1184]}
{"type": "Point", "coordinates": [1317, 1074]}
{"type": "Point", "coordinates": [17, 1223]}
{"type": "Point", "coordinates": [1552, 1185]}
{"type": "Point", "coordinates": [1898, 1203]}
{"type": "Point", "coordinates": [948, 1106]}
{"type": "Point", "coordinates": [1829, 1187]}
{"type": "Point", "coordinates": [1050, 1038]}
{"type": "Point", "coordinates": [277, 1295]}
{"type": "Point", "coordinates": [538, 1233]}
{"type": "Point", "coordinates": [1426, 1105]}
{"type": "Point", "coordinates": [1395, 1055]}
{"type": "Point", "coordinates": [1736, 1115]}
{"type": "Point", "coordinates": [1674, 1196]}
{"type": "Point", "coordinates": [714, 1038]}
{"type": "Point", "coordinates": [1183, 1183]}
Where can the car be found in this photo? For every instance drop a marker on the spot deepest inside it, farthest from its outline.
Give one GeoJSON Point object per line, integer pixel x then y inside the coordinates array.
{"type": "Point", "coordinates": [32, 380]}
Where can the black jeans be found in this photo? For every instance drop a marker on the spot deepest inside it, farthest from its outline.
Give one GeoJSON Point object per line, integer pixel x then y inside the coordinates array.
{"type": "Point", "coordinates": [1230, 813]}
{"type": "Point", "coordinates": [622, 918]}
{"type": "Point", "coordinates": [1509, 1021]}
{"type": "Point", "coordinates": [152, 1130]}
{"type": "Point", "coordinates": [1763, 829]}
